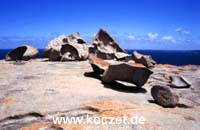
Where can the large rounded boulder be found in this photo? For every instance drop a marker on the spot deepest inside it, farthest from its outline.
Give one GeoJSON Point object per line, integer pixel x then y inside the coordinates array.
{"type": "Point", "coordinates": [25, 52]}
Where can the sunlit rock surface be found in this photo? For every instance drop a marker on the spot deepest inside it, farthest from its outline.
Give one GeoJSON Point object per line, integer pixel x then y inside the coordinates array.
{"type": "Point", "coordinates": [33, 92]}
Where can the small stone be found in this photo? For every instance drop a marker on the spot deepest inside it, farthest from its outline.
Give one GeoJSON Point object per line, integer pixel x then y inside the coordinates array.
{"type": "Point", "coordinates": [164, 96]}
{"type": "Point", "coordinates": [179, 82]}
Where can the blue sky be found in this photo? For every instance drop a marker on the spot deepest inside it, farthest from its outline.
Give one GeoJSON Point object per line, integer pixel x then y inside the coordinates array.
{"type": "Point", "coordinates": [135, 24]}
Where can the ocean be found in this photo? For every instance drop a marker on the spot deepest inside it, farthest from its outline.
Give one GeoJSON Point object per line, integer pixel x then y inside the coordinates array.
{"type": "Point", "coordinates": [160, 56]}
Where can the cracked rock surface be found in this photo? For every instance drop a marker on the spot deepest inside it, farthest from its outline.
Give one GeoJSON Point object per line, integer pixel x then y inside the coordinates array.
{"type": "Point", "coordinates": [33, 92]}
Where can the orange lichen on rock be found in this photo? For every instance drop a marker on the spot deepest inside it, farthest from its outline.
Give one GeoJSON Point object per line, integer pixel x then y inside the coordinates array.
{"type": "Point", "coordinates": [165, 65]}
{"type": "Point", "coordinates": [99, 61]}
{"type": "Point", "coordinates": [6, 100]}
{"type": "Point", "coordinates": [37, 126]}
{"type": "Point", "coordinates": [135, 64]}
{"type": "Point", "coordinates": [107, 105]}
{"type": "Point", "coordinates": [185, 67]}
{"type": "Point", "coordinates": [68, 126]}
{"type": "Point", "coordinates": [3, 69]}
{"type": "Point", "coordinates": [114, 113]}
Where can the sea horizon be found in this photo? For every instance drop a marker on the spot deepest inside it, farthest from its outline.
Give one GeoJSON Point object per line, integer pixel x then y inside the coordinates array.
{"type": "Point", "coordinates": [174, 57]}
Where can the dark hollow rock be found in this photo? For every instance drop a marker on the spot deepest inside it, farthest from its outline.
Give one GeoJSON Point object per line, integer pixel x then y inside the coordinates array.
{"type": "Point", "coordinates": [25, 52]}
{"type": "Point", "coordinates": [54, 54]}
{"type": "Point", "coordinates": [69, 53]}
{"type": "Point", "coordinates": [164, 96]}
{"type": "Point", "coordinates": [146, 60]}
{"type": "Point", "coordinates": [179, 82]}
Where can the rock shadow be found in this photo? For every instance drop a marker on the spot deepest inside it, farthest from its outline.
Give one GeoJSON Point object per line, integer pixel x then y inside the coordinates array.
{"type": "Point", "coordinates": [124, 88]}
{"type": "Point", "coordinates": [116, 85]}
{"type": "Point", "coordinates": [18, 62]}
{"type": "Point", "coordinates": [92, 75]}
{"type": "Point", "coordinates": [179, 105]}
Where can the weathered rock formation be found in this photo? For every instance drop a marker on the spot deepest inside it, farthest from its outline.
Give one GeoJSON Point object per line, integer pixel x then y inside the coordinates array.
{"type": "Point", "coordinates": [146, 60]}
{"type": "Point", "coordinates": [164, 96]}
{"type": "Point", "coordinates": [129, 72]}
{"type": "Point", "coordinates": [25, 52]}
{"type": "Point", "coordinates": [67, 48]}
{"type": "Point", "coordinates": [104, 46]}
{"type": "Point", "coordinates": [133, 73]}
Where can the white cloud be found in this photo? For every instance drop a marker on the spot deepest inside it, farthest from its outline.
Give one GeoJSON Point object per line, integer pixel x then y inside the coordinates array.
{"type": "Point", "coordinates": [131, 37]}
{"type": "Point", "coordinates": [152, 36]}
{"type": "Point", "coordinates": [182, 31]}
{"type": "Point", "coordinates": [169, 38]}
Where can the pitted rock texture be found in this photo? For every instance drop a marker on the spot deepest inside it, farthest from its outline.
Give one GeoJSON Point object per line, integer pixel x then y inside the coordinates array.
{"type": "Point", "coordinates": [66, 48]}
